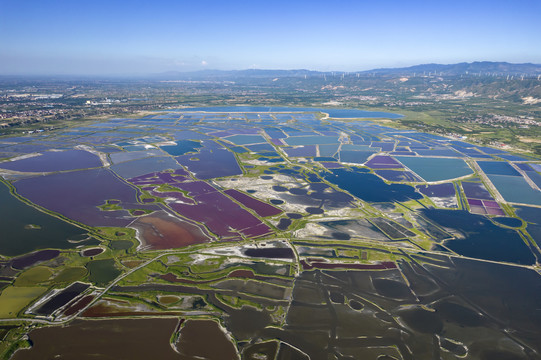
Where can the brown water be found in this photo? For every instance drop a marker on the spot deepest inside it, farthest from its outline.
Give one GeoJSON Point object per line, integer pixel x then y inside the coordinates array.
{"type": "Point", "coordinates": [160, 231]}
{"type": "Point", "coordinates": [203, 339]}
{"type": "Point", "coordinates": [104, 339]}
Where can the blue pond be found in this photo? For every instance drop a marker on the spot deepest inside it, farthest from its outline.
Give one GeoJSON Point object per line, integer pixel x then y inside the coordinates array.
{"type": "Point", "coordinates": [311, 140]}
{"type": "Point", "coordinates": [355, 157]}
{"type": "Point", "coordinates": [130, 169]}
{"type": "Point", "coordinates": [436, 169]}
{"type": "Point", "coordinates": [308, 150]}
{"type": "Point", "coordinates": [508, 221]}
{"type": "Point", "coordinates": [481, 238]}
{"type": "Point", "coordinates": [246, 139]}
{"type": "Point", "coordinates": [398, 176]}
{"type": "Point", "coordinates": [211, 163]}
{"type": "Point", "coordinates": [182, 147]}
{"type": "Point", "coordinates": [515, 189]}
{"type": "Point", "coordinates": [119, 157]}
{"type": "Point", "coordinates": [497, 168]}
{"type": "Point", "coordinates": [369, 187]}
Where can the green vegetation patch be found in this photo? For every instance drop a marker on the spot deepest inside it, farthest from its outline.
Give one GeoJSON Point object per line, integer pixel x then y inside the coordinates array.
{"type": "Point", "coordinates": [121, 244]}
{"type": "Point", "coordinates": [168, 299]}
{"type": "Point", "coordinates": [140, 212]}
{"type": "Point", "coordinates": [14, 298]}
{"type": "Point", "coordinates": [116, 233]}
{"type": "Point", "coordinates": [34, 276]}
{"type": "Point", "coordinates": [70, 274]}
{"type": "Point", "coordinates": [102, 271]}
{"type": "Point", "coordinates": [168, 188]}
{"type": "Point", "coordinates": [110, 205]}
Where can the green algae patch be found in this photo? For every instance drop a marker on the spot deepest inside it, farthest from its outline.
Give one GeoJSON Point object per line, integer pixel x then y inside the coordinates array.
{"type": "Point", "coordinates": [34, 276]}
{"type": "Point", "coordinates": [116, 233]}
{"type": "Point", "coordinates": [14, 298]}
{"type": "Point", "coordinates": [70, 274]}
{"type": "Point", "coordinates": [121, 244]}
{"type": "Point", "coordinates": [102, 271]}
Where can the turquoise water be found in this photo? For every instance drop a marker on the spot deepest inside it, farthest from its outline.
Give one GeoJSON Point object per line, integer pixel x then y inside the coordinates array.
{"type": "Point", "coordinates": [436, 169]}
{"type": "Point", "coordinates": [328, 150]}
{"type": "Point", "coordinates": [516, 189]}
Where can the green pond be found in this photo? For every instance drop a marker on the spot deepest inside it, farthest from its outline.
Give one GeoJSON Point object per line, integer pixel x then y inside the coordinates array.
{"type": "Point", "coordinates": [25, 229]}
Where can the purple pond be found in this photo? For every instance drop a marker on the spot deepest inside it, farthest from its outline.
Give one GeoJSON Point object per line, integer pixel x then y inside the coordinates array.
{"type": "Point", "coordinates": [33, 258]}
{"type": "Point", "coordinates": [211, 163]}
{"type": "Point", "coordinates": [78, 194]}
{"type": "Point", "coordinates": [54, 161]}
{"type": "Point", "coordinates": [383, 162]}
{"type": "Point", "coordinates": [437, 190]}
{"type": "Point", "coordinates": [261, 208]}
{"type": "Point", "coordinates": [476, 190]}
{"type": "Point", "coordinates": [219, 213]}
{"type": "Point", "coordinates": [304, 151]}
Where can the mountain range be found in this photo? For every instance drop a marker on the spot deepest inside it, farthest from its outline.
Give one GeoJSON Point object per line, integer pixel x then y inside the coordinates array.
{"type": "Point", "coordinates": [473, 68]}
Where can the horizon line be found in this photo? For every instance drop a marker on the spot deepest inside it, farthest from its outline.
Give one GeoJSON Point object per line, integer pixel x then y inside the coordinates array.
{"type": "Point", "coordinates": [179, 72]}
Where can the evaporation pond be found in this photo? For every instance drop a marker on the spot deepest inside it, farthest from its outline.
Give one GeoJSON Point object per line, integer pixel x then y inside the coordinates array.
{"type": "Point", "coordinates": [480, 238]}
{"type": "Point", "coordinates": [436, 169]}
{"type": "Point", "coordinates": [78, 194]}
{"type": "Point", "coordinates": [104, 339]}
{"type": "Point", "coordinates": [130, 169]}
{"type": "Point", "coordinates": [311, 140]}
{"type": "Point", "coordinates": [123, 156]}
{"type": "Point", "coordinates": [369, 187]}
{"type": "Point", "coordinates": [25, 228]}
{"type": "Point", "coordinates": [54, 161]}
{"type": "Point", "coordinates": [246, 139]}
{"type": "Point", "coordinates": [211, 163]}
{"type": "Point", "coordinates": [516, 189]}
{"type": "Point", "coordinates": [497, 168]}
{"type": "Point", "coordinates": [182, 147]}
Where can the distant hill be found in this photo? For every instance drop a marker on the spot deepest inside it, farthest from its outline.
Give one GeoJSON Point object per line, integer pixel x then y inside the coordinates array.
{"type": "Point", "coordinates": [474, 68]}
{"type": "Point", "coordinates": [477, 67]}
{"type": "Point", "coordinates": [255, 73]}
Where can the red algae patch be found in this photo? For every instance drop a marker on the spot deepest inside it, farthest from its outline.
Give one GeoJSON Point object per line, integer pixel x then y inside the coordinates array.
{"type": "Point", "coordinates": [132, 263]}
{"type": "Point", "coordinates": [168, 299]}
{"type": "Point", "coordinates": [79, 305]}
{"type": "Point", "coordinates": [241, 273]}
{"type": "Point", "coordinates": [197, 335]}
{"type": "Point", "coordinates": [161, 231]}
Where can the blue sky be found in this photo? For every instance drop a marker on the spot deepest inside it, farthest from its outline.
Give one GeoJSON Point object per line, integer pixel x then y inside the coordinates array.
{"type": "Point", "coordinates": [138, 37]}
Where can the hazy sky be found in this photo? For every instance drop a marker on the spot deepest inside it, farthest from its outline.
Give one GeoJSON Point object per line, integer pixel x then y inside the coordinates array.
{"type": "Point", "coordinates": [138, 37]}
